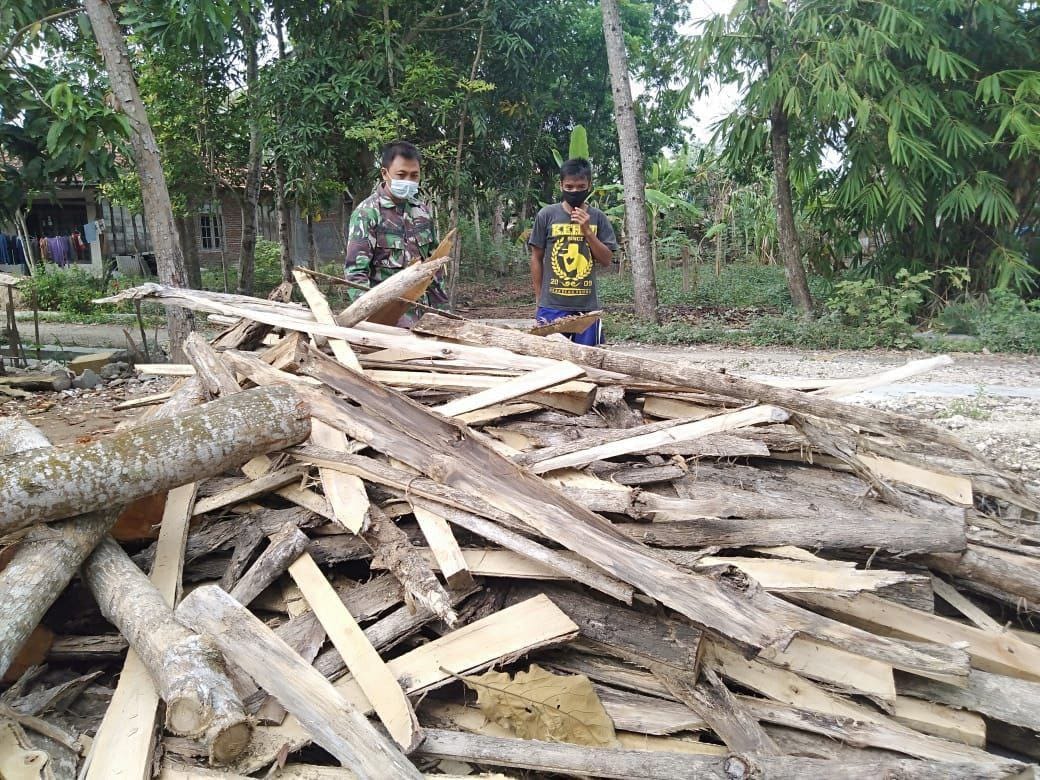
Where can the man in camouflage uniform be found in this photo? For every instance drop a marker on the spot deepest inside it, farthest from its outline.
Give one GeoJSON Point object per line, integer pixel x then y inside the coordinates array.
{"type": "Point", "coordinates": [392, 228]}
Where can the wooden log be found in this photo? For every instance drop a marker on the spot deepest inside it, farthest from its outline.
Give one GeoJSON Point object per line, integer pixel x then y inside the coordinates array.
{"type": "Point", "coordinates": [210, 370]}
{"type": "Point", "coordinates": [44, 563]}
{"type": "Point", "coordinates": [286, 546]}
{"type": "Point", "coordinates": [1006, 699]}
{"type": "Point", "coordinates": [726, 716]}
{"type": "Point", "coordinates": [580, 761]}
{"type": "Point", "coordinates": [200, 700]}
{"type": "Point", "coordinates": [389, 290]}
{"type": "Point", "coordinates": [402, 559]}
{"type": "Point", "coordinates": [1013, 573]}
{"type": "Point", "coordinates": [361, 658]}
{"type": "Point", "coordinates": [330, 719]}
{"type": "Point", "coordinates": [50, 484]}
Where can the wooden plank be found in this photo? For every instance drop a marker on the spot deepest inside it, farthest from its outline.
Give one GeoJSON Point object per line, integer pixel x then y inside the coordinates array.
{"type": "Point", "coordinates": [267, 483]}
{"type": "Point", "coordinates": [950, 486]}
{"type": "Point", "coordinates": [1001, 698]}
{"type": "Point", "coordinates": [847, 387]}
{"type": "Point", "coordinates": [122, 748]}
{"type": "Point", "coordinates": [999, 653]}
{"type": "Point", "coordinates": [322, 312]}
{"type": "Point", "coordinates": [837, 668]}
{"type": "Point", "coordinates": [344, 493]}
{"type": "Point", "coordinates": [450, 560]}
{"type": "Point", "coordinates": [144, 400]}
{"type": "Point", "coordinates": [497, 412]}
{"type": "Point", "coordinates": [165, 369]}
{"type": "Point", "coordinates": [507, 633]}
{"type": "Point", "coordinates": [363, 661]}
{"type": "Point", "coordinates": [962, 604]}
{"type": "Point", "coordinates": [677, 433]}
{"type": "Point", "coordinates": [521, 386]}
{"type": "Point", "coordinates": [940, 721]}
{"type": "Point", "coordinates": [329, 718]}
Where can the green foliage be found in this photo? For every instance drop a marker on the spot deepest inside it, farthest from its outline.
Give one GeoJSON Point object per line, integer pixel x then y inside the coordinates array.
{"type": "Point", "coordinates": [70, 290]}
{"type": "Point", "coordinates": [267, 273]}
{"type": "Point", "coordinates": [973, 408]}
{"type": "Point", "coordinates": [886, 309]}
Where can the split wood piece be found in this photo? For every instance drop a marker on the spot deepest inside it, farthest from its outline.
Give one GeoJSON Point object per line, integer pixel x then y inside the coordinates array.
{"type": "Point", "coordinates": [515, 388]}
{"type": "Point", "coordinates": [53, 483]}
{"type": "Point", "coordinates": [380, 302]}
{"type": "Point", "coordinates": [862, 733]}
{"type": "Point", "coordinates": [965, 606]}
{"type": "Point", "coordinates": [268, 483]}
{"type": "Point", "coordinates": [124, 742]}
{"type": "Point", "coordinates": [305, 635]}
{"type": "Point", "coordinates": [209, 368]}
{"type": "Point", "coordinates": [144, 400]}
{"type": "Point", "coordinates": [580, 761]}
{"type": "Point", "coordinates": [559, 564]}
{"type": "Point", "coordinates": [286, 546]}
{"type": "Point", "coordinates": [165, 369]}
{"type": "Point", "coordinates": [574, 324]}
{"type": "Point", "coordinates": [200, 700]}
{"type": "Point", "coordinates": [44, 563]}
{"type": "Point", "coordinates": [737, 610]}
{"type": "Point", "coordinates": [939, 720]}
{"type": "Point", "coordinates": [649, 442]}
{"type": "Point", "coordinates": [912, 368]}
{"type": "Point", "coordinates": [330, 719]}
{"type": "Point", "coordinates": [384, 633]}
{"type": "Point", "coordinates": [1018, 574]}
{"type": "Point", "coordinates": [998, 697]}
{"type": "Point", "coordinates": [392, 546]}
{"type": "Point", "coordinates": [298, 318]}
{"type": "Point", "coordinates": [363, 661]}
{"type": "Point", "coordinates": [302, 497]}
{"type": "Point", "coordinates": [574, 396]}
{"type": "Point", "coordinates": [688, 376]}
{"type": "Point", "coordinates": [445, 548]}
{"type": "Point", "coordinates": [998, 653]}
{"type": "Point", "coordinates": [632, 635]}
{"type": "Point", "coordinates": [322, 312]}
{"type": "Point", "coordinates": [723, 713]}
{"type": "Point", "coordinates": [509, 633]}
{"type": "Point", "coordinates": [345, 494]}
{"type": "Point", "coordinates": [671, 407]}
{"type": "Point", "coordinates": [954, 488]}
{"type": "Point", "coordinates": [497, 412]}
{"type": "Point", "coordinates": [247, 333]}
{"type": "Point", "coordinates": [633, 476]}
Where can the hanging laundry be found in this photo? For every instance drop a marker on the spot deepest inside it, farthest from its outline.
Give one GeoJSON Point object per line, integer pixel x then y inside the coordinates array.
{"type": "Point", "coordinates": [5, 249]}
{"type": "Point", "coordinates": [44, 250]}
{"type": "Point", "coordinates": [90, 232]}
{"type": "Point", "coordinates": [19, 255]}
{"type": "Point", "coordinates": [58, 250]}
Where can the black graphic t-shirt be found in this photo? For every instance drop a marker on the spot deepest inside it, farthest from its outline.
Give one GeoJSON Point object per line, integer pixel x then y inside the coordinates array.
{"type": "Point", "coordinates": [568, 269]}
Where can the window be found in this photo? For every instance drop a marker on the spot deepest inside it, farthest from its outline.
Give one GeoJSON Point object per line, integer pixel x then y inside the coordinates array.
{"type": "Point", "coordinates": [211, 229]}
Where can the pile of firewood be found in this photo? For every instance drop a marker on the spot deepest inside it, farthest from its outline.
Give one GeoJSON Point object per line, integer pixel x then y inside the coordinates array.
{"type": "Point", "coordinates": [466, 549]}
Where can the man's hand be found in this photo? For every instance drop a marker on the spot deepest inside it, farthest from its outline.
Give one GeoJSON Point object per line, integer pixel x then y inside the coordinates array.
{"type": "Point", "coordinates": [581, 217]}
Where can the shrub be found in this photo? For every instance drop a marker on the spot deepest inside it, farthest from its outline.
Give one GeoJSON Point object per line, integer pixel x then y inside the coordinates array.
{"type": "Point", "coordinates": [1009, 324]}
{"type": "Point", "coordinates": [69, 290]}
{"type": "Point", "coordinates": [267, 271]}
{"type": "Point", "coordinates": [886, 309]}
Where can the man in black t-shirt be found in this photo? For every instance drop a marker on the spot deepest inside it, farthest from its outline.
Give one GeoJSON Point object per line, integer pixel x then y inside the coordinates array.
{"type": "Point", "coordinates": [567, 241]}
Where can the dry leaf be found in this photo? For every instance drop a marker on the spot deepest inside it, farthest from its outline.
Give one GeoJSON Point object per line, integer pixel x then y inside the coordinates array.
{"type": "Point", "coordinates": [538, 704]}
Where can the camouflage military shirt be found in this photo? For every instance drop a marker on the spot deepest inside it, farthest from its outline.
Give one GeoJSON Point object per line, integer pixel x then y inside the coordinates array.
{"type": "Point", "coordinates": [385, 236]}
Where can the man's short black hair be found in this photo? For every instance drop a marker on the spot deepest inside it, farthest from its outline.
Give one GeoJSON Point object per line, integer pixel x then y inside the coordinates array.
{"type": "Point", "coordinates": [576, 167]}
{"type": "Point", "coordinates": [392, 151]}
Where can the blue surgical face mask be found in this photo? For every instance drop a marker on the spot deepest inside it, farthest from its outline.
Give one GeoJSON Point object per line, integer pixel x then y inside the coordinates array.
{"type": "Point", "coordinates": [403, 189]}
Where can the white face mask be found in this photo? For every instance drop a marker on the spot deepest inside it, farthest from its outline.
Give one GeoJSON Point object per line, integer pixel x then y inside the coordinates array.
{"type": "Point", "coordinates": [403, 189]}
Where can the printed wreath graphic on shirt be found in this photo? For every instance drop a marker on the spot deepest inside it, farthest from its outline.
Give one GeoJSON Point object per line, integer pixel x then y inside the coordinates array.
{"type": "Point", "coordinates": [570, 266]}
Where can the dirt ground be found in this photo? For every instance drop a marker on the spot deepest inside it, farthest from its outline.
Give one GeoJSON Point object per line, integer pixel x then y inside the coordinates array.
{"type": "Point", "coordinates": [992, 401]}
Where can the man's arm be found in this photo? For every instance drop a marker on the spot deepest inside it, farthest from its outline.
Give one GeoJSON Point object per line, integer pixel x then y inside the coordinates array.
{"type": "Point", "coordinates": [601, 253]}
{"type": "Point", "coordinates": [361, 242]}
{"type": "Point", "coordinates": [537, 254]}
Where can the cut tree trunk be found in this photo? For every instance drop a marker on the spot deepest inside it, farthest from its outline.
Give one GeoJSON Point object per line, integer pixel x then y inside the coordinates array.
{"type": "Point", "coordinates": [50, 484]}
{"type": "Point", "coordinates": [284, 223]}
{"type": "Point", "coordinates": [154, 194]}
{"type": "Point", "coordinates": [632, 176]}
{"type": "Point", "coordinates": [187, 669]}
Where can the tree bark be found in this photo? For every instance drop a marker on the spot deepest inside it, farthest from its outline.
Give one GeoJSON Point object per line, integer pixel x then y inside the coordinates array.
{"type": "Point", "coordinates": [50, 484]}
{"type": "Point", "coordinates": [154, 194]}
{"type": "Point", "coordinates": [632, 175]}
{"type": "Point", "coordinates": [787, 233]}
{"type": "Point", "coordinates": [186, 667]}
{"type": "Point", "coordinates": [284, 224]}
{"type": "Point", "coordinates": [187, 230]}
{"type": "Point", "coordinates": [247, 253]}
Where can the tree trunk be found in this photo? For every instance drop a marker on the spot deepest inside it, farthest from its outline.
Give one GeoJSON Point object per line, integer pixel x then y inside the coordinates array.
{"type": "Point", "coordinates": [790, 249]}
{"type": "Point", "coordinates": [284, 224]}
{"type": "Point", "coordinates": [312, 248]}
{"type": "Point", "coordinates": [631, 166]}
{"type": "Point", "coordinates": [154, 194]}
{"type": "Point", "coordinates": [54, 483]}
{"type": "Point", "coordinates": [188, 671]}
{"type": "Point", "coordinates": [186, 228]}
{"type": "Point", "coordinates": [247, 254]}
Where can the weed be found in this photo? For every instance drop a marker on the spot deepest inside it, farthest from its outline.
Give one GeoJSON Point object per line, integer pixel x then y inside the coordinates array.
{"type": "Point", "coordinates": [973, 408]}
